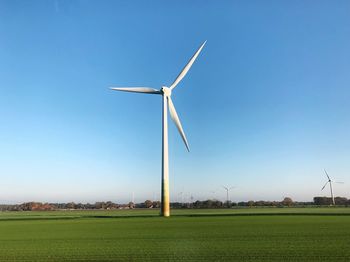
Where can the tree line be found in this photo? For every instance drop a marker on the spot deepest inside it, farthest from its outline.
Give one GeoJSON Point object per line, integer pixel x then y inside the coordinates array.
{"type": "Point", "coordinates": [210, 203]}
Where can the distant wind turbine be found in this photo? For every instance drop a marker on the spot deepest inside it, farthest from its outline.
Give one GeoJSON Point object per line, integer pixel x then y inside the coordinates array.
{"type": "Point", "coordinates": [330, 186]}
{"type": "Point", "coordinates": [165, 92]}
{"type": "Point", "coordinates": [182, 197]}
{"type": "Point", "coordinates": [213, 194]}
{"type": "Point", "coordinates": [227, 192]}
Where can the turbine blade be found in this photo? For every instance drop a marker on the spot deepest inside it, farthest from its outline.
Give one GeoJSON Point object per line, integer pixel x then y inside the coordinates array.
{"type": "Point", "coordinates": [187, 67]}
{"type": "Point", "coordinates": [324, 185]}
{"type": "Point", "coordinates": [145, 90]}
{"type": "Point", "coordinates": [339, 182]}
{"type": "Point", "coordinates": [177, 122]}
{"type": "Point", "coordinates": [327, 174]}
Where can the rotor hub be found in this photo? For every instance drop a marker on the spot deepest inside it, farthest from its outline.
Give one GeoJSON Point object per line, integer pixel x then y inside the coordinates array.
{"type": "Point", "coordinates": [166, 91]}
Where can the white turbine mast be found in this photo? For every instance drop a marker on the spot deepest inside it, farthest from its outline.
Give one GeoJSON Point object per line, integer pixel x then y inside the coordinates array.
{"type": "Point", "coordinates": [165, 92]}
{"type": "Point", "coordinates": [330, 181]}
{"type": "Point", "coordinates": [213, 194]}
{"type": "Point", "coordinates": [182, 197]}
{"type": "Point", "coordinates": [227, 192]}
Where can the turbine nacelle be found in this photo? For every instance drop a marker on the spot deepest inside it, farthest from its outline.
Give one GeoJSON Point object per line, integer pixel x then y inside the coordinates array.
{"type": "Point", "coordinates": [166, 91]}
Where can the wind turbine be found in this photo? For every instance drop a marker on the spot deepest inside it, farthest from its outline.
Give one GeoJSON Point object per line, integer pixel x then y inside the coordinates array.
{"type": "Point", "coordinates": [182, 197]}
{"type": "Point", "coordinates": [165, 92]}
{"type": "Point", "coordinates": [133, 197]}
{"type": "Point", "coordinates": [213, 194]}
{"type": "Point", "coordinates": [330, 186]}
{"type": "Point", "coordinates": [227, 191]}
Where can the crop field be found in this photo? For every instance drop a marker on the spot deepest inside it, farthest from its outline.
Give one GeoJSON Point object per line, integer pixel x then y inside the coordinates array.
{"type": "Point", "coordinates": [256, 234]}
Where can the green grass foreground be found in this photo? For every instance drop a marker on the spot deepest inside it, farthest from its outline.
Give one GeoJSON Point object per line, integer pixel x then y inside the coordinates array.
{"type": "Point", "coordinates": [257, 234]}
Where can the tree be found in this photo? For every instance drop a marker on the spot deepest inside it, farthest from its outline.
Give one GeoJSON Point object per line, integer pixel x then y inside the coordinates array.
{"type": "Point", "coordinates": [156, 204]}
{"type": "Point", "coordinates": [70, 205]}
{"type": "Point", "coordinates": [322, 201]}
{"type": "Point", "coordinates": [251, 203]}
{"type": "Point", "coordinates": [341, 201]}
{"type": "Point", "coordinates": [148, 204]}
{"type": "Point", "coordinates": [287, 201]}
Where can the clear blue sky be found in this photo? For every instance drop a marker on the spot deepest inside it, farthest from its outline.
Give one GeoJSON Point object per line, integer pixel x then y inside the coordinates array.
{"type": "Point", "coordinates": [265, 107]}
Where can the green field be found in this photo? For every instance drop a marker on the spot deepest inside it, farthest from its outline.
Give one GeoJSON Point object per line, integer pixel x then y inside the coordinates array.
{"type": "Point", "coordinates": [257, 234]}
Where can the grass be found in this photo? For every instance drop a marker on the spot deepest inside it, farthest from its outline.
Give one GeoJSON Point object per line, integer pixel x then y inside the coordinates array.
{"type": "Point", "coordinates": [258, 234]}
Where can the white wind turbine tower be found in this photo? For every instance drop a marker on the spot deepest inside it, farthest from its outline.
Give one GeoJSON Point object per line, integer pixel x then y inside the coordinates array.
{"type": "Point", "coordinates": [165, 92]}
{"type": "Point", "coordinates": [330, 186]}
{"type": "Point", "coordinates": [227, 192]}
{"type": "Point", "coordinates": [213, 194]}
{"type": "Point", "coordinates": [182, 197]}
